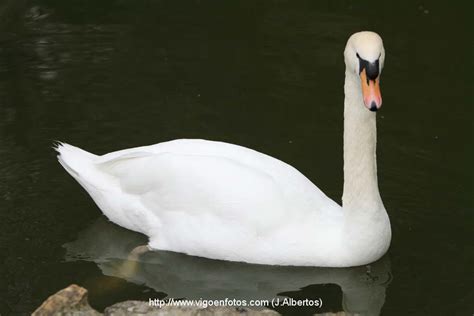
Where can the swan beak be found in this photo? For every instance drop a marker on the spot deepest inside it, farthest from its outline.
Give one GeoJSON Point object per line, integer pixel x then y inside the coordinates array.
{"type": "Point", "coordinates": [371, 92]}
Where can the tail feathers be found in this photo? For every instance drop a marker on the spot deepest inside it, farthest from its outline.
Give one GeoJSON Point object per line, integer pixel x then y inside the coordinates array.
{"type": "Point", "coordinates": [77, 162]}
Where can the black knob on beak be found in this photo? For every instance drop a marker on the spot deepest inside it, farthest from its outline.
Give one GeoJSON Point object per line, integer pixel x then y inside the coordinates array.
{"type": "Point", "coordinates": [371, 69]}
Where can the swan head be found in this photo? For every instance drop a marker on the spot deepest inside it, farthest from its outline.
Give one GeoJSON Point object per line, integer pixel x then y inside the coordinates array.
{"type": "Point", "coordinates": [364, 56]}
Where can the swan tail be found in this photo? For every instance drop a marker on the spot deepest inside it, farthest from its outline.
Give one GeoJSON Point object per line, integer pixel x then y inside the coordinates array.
{"type": "Point", "coordinates": [75, 160]}
{"type": "Point", "coordinates": [83, 167]}
{"type": "Point", "coordinates": [80, 164]}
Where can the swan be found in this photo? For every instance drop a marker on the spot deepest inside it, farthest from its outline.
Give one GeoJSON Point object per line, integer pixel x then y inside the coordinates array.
{"type": "Point", "coordinates": [223, 201]}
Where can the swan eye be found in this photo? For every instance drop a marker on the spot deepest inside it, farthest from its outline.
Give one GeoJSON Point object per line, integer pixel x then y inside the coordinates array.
{"type": "Point", "coordinates": [357, 54]}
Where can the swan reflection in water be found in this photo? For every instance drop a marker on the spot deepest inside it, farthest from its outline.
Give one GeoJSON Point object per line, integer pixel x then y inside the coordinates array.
{"type": "Point", "coordinates": [117, 253]}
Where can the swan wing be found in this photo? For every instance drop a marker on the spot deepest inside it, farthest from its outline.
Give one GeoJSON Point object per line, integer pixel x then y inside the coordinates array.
{"type": "Point", "coordinates": [195, 173]}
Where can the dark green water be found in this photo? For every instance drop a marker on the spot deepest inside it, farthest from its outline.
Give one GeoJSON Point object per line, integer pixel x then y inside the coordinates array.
{"type": "Point", "coordinates": [267, 75]}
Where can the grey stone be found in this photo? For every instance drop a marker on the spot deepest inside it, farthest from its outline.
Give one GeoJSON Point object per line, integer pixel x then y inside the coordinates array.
{"type": "Point", "coordinates": [71, 301]}
{"type": "Point", "coordinates": [143, 308]}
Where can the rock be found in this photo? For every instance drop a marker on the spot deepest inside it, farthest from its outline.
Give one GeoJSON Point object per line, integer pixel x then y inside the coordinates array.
{"type": "Point", "coordinates": [143, 308]}
{"type": "Point", "coordinates": [71, 301]}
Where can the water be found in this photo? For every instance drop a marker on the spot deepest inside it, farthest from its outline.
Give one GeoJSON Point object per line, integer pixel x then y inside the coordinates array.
{"type": "Point", "coordinates": [265, 75]}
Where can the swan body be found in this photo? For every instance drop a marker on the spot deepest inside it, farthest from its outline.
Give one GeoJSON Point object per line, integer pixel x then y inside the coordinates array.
{"type": "Point", "coordinates": [223, 201]}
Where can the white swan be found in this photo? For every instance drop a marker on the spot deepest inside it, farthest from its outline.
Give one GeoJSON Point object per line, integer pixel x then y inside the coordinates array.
{"type": "Point", "coordinates": [223, 201]}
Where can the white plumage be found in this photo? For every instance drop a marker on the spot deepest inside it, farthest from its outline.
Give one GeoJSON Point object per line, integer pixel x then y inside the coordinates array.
{"type": "Point", "coordinates": [224, 201]}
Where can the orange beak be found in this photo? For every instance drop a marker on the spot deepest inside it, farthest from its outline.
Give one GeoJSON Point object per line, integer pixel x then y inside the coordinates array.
{"type": "Point", "coordinates": [370, 92]}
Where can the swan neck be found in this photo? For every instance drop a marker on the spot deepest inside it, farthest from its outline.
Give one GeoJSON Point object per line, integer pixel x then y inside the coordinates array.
{"type": "Point", "coordinates": [361, 192]}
